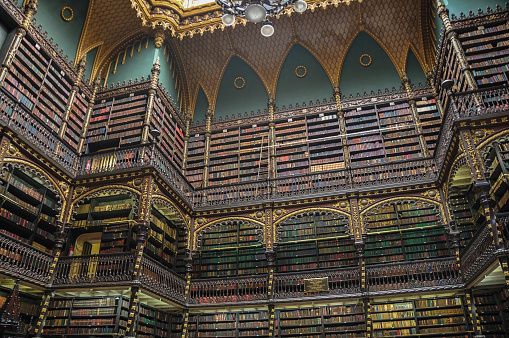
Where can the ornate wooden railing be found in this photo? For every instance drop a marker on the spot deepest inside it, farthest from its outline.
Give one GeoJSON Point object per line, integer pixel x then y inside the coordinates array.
{"type": "Point", "coordinates": [401, 277]}
{"type": "Point", "coordinates": [478, 254]}
{"type": "Point", "coordinates": [105, 268]}
{"type": "Point", "coordinates": [228, 290]}
{"type": "Point", "coordinates": [162, 280]}
{"type": "Point", "coordinates": [483, 102]}
{"type": "Point", "coordinates": [19, 259]}
{"type": "Point", "coordinates": [26, 126]}
{"type": "Point", "coordinates": [343, 282]}
{"type": "Point", "coordinates": [137, 157]}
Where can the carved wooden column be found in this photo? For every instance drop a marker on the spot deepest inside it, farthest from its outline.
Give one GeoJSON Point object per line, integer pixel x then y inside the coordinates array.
{"type": "Point", "coordinates": [472, 314]}
{"type": "Point", "coordinates": [272, 141]}
{"type": "Point", "coordinates": [154, 81]}
{"type": "Point", "coordinates": [342, 126]}
{"type": "Point", "coordinates": [452, 36]}
{"type": "Point", "coordinates": [432, 83]}
{"type": "Point", "coordinates": [142, 229]}
{"type": "Point", "coordinates": [272, 320]}
{"type": "Point", "coordinates": [415, 115]}
{"type": "Point", "coordinates": [88, 115]}
{"type": "Point", "coordinates": [74, 90]}
{"type": "Point", "coordinates": [369, 323]}
{"type": "Point", "coordinates": [60, 240]}
{"type": "Point", "coordinates": [185, 323]}
{"type": "Point", "coordinates": [206, 154]}
{"type": "Point", "coordinates": [187, 121]}
{"type": "Point", "coordinates": [30, 11]}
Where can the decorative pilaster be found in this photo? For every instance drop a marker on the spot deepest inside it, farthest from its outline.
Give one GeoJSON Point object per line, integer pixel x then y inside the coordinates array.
{"type": "Point", "coordinates": [185, 323]}
{"type": "Point", "coordinates": [342, 126]}
{"type": "Point", "coordinates": [3, 148]}
{"type": "Point", "coordinates": [141, 230]}
{"type": "Point", "coordinates": [452, 36]}
{"type": "Point", "coordinates": [187, 122]}
{"type": "Point", "coordinates": [60, 240]}
{"type": "Point", "coordinates": [156, 70]}
{"type": "Point", "coordinates": [189, 269]}
{"type": "Point", "coordinates": [206, 154]}
{"type": "Point", "coordinates": [88, 115]}
{"type": "Point", "coordinates": [415, 115]}
{"type": "Point", "coordinates": [74, 90]}
{"type": "Point", "coordinates": [369, 323]}
{"type": "Point", "coordinates": [272, 319]}
{"type": "Point", "coordinates": [272, 140]}
{"type": "Point", "coordinates": [30, 11]}
{"type": "Point", "coordinates": [431, 82]}
{"type": "Point", "coordinates": [476, 324]}
{"type": "Point", "coordinates": [270, 256]}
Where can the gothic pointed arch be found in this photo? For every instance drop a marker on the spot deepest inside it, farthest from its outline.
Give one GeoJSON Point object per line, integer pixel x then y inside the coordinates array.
{"type": "Point", "coordinates": [240, 90]}
{"type": "Point", "coordinates": [301, 78]}
{"type": "Point", "coordinates": [367, 67]}
{"type": "Point", "coordinates": [201, 104]}
{"type": "Point", "coordinates": [414, 69]}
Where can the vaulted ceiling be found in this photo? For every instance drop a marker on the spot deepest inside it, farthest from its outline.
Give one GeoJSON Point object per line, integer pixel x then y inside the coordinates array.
{"type": "Point", "coordinates": [203, 46]}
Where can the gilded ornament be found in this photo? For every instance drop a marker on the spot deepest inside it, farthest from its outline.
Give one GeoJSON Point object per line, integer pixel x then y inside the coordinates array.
{"type": "Point", "coordinates": [342, 205]}
{"type": "Point", "coordinates": [480, 134]}
{"type": "Point", "coordinates": [63, 12]}
{"type": "Point", "coordinates": [433, 194]}
{"type": "Point", "coordinates": [365, 60]}
{"type": "Point", "coordinates": [137, 182]}
{"type": "Point", "coordinates": [64, 186]}
{"type": "Point", "coordinates": [13, 151]}
{"type": "Point", "coordinates": [201, 220]}
{"type": "Point", "coordinates": [301, 71]}
{"type": "Point", "coordinates": [242, 82]}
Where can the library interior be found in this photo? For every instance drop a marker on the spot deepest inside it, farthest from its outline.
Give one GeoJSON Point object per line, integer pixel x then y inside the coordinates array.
{"type": "Point", "coordinates": [173, 168]}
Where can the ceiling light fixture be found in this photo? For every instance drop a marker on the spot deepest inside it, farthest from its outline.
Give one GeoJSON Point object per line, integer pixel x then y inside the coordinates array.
{"type": "Point", "coordinates": [257, 11]}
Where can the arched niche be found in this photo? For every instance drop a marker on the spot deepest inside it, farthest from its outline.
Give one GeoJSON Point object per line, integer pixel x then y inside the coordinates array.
{"type": "Point", "coordinates": [367, 67]}
{"type": "Point", "coordinates": [314, 239]}
{"type": "Point", "coordinates": [229, 247]}
{"type": "Point", "coordinates": [301, 79]}
{"type": "Point", "coordinates": [241, 90]}
{"type": "Point", "coordinates": [461, 199]}
{"type": "Point", "coordinates": [414, 70]}
{"type": "Point", "coordinates": [200, 107]}
{"type": "Point", "coordinates": [405, 229]}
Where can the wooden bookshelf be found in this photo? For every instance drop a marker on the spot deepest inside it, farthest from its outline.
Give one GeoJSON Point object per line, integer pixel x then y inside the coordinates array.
{"type": "Point", "coordinates": [307, 322]}
{"type": "Point", "coordinates": [117, 121]}
{"type": "Point", "coordinates": [42, 88]}
{"type": "Point", "coordinates": [224, 157]}
{"type": "Point", "coordinates": [28, 209]}
{"type": "Point", "coordinates": [428, 317]}
{"type": "Point", "coordinates": [171, 142]}
{"type": "Point", "coordinates": [345, 321]}
{"type": "Point", "coordinates": [230, 250]}
{"type": "Point", "coordinates": [315, 242]}
{"type": "Point", "coordinates": [498, 161]}
{"type": "Point", "coordinates": [431, 121]}
{"type": "Point", "coordinates": [462, 214]}
{"type": "Point", "coordinates": [105, 316]}
{"type": "Point", "coordinates": [406, 231]}
{"type": "Point", "coordinates": [195, 160]}
{"type": "Point", "coordinates": [486, 49]}
{"type": "Point", "coordinates": [162, 244]}
{"type": "Point", "coordinates": [324, 142]}
{"type": "Point", "coordinates": [292, 147]}
{"type": "Point", "coordinates": [490, 314]}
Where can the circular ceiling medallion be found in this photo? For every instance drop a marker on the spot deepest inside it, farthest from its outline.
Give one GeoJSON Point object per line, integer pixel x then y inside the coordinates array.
{"type": "Point", "coordinates": [301, 71]}
{"type": "Point", "coordinates": [239, 82]}
{"type": "Point", "coordinates": [365, 60]}
{"type": "Point", "coordinates": [67, 14]}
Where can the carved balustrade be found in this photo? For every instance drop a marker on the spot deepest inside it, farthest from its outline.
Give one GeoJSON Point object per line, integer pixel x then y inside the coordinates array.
{"type": "Point", "coordinates": [22, 260]}
{"type": "Point", "coordinates": [228, 290]}
{"type": "Point", "coordinates": [231, 194]}
{"type": "Point", "coordinates": [478, 254]}
{"type": "Point", "coordinates": [401, 277]}
{"type": "Point", "coordinates": [343, 282]}
{"type": "Point", "coordinates": [104, 268]}
{"type": "Point", "coordinates": [25, 125]}
{"type": "Point", "coordinates": [483, 102]}
{"type": "Point", "coordinates": [119, 159]}
{"type": "Point", "coordinates": [162, 280]}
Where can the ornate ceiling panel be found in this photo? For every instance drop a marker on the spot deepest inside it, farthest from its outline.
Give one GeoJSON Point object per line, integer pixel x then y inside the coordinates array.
{"type": "Point", "coordinates": [204, 46]}
{"type": "Point", "coordinates": [110, 25]}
